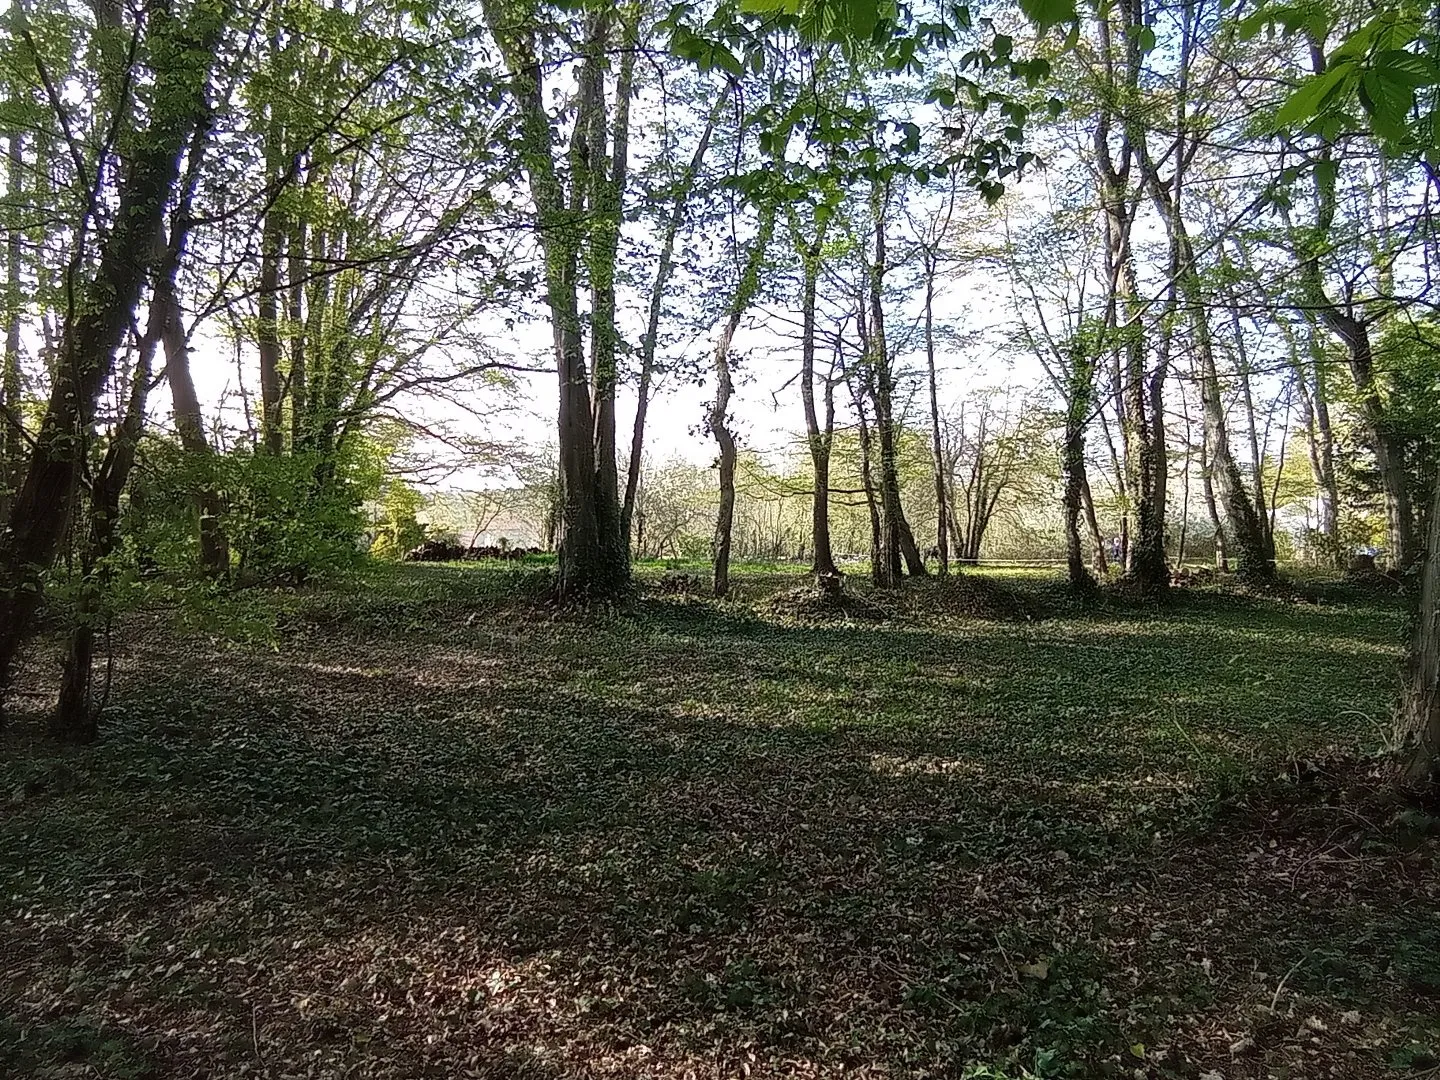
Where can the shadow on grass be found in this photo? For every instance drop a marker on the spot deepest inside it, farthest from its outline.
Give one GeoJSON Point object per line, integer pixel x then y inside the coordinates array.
{"type": "Point", "coordinates": [675, 839]}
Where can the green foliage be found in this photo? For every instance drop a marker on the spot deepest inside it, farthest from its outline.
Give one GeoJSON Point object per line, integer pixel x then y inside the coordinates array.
{"type": "Point", "coordinates": [1386, 66]}
{"type": "Point", "coordinates": [288, 518]}
{"type": "Point", "coordinates": [399, 531]}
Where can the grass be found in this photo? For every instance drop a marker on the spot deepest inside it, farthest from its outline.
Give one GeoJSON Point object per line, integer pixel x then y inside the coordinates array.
{"type": "Point", "coordinates": [418, 824]}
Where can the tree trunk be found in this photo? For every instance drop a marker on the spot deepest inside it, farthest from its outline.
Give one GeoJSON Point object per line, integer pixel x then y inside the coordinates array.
{"type": "Point", "coordinates": [1419, 719]}
{"type": "Point", "coordinates": [76, 718]}
{"type": "Point", "coordinates": [1389, 450]}
{"type": "Point", "coordinates": [718, 418]}
{"type": "Point", "coordinates": [589, 566]}
{"type": "Point", "coordinates": [649, 343]}
{"type": "Point", "coordinates": [267, 335]}
{"type": "Point", "coordinates": [12, 431]}
{"type": "Point", "coordinates": [942, 541]}
{"type": "Point", "coordinates": [897, 541]}
{"type": "Point", "coordinates": [606, 219]}
{"type": "Point", "coordinates": [1102, 563]}
{"type": "Point", "coordinates": [717, 422]}
{"type": "Point", "coordinates": [189, 425]}
{"type": "Point", "coordinates": [1144, 458]}
{"type": "Point", "coordinates": [295, 327]}
{"type": "Point", "coordinates": [1255, 558]}
{"type": "Point", "coordinates": [1082, 379]}
{"type": "Point", "coordinates": [823, 563]}
{"type": "Point", "coordinates": [1207, 483]}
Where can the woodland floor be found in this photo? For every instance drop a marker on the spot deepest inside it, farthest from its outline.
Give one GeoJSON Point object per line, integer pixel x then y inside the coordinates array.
{"type": "Point", "coordinates": [417, 825]}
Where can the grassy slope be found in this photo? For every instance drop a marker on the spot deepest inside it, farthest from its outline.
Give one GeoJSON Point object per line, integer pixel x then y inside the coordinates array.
{"type": "Point", "coordinates": [439, 829]}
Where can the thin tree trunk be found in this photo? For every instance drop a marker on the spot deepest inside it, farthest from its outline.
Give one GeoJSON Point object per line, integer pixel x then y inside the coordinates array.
{"type": "Point", "coordinates": [1082, 380]}
{"type": "Point", "coordinates": [649, 343]}
{"type": "Point", "coordinates": [189, 425]}
{"type": "Point", "coordinates": [295, 327]}
{"type": "Point", "coordinates": [819, 442]}
{"type": "Point", "coordinates": [1255, 557]}
{"type": "Point", "coordinates": [880, 572]}
{"type": "Point", "coordinates": [718, 417]}
{"type": "Point", "coordinates": [942, 543]}
{"type": "Point", "coordinates": [1101, 561]}
{"type": "Point", "coordinates": [12, 431]}
{"type": "Point", "coordinates": [1222, 555]}
{"type": "Point", "coordinates": [897, 541]}
{"type": "Point", "coordinates": [725, 517]}
{"type": "Point", "coordinates": [1257, 459]}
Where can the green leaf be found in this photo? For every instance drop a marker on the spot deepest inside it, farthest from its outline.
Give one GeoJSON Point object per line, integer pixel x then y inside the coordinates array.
{"type": "Point", "coordinates": [1387, 104]}
{"type": "Point", "coordinates": [1308, 100]}
{"type": "Point", "coordinates": [1047, 13]}
{"type": "Point", "coordinates": [1406, 68]}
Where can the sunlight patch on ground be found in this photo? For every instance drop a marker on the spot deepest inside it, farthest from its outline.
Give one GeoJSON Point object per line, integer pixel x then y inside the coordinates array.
{"type": "Point", "coordinates": [925, 765]}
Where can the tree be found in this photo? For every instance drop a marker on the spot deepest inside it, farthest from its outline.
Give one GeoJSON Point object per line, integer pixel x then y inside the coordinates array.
{"type": "Point", "coordinates": [572, 219]}
{"type": "Point", "coordinates": [717, 419]}
{"type": "Point", "coordinates": [159, 108]}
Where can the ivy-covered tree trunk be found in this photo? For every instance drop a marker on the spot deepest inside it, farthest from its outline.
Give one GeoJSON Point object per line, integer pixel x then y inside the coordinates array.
{"type": "Point", "coordinates": [1077, 413]}
{"type": "Point", "coordinates": [76, 718]}
{"type": "Point", "coordinates": [592, 563]}
{"type": "Point", "coordinates": [1419, 719]}
{"type": "Point", "coordinates": [607, 188]}
{"type": "Point", "coordinates": [12, 442]}
{"type": "Point", "coordinates": [1389, 451]}
{"type": "Point", "coordinates": [1144, 453]}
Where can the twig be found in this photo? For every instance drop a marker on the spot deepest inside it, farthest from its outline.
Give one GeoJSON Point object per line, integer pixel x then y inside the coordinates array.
{"type": "Point", "coordinates": [255, 1033]}
{"type": "Point", "coordinates": [1274, 1000]}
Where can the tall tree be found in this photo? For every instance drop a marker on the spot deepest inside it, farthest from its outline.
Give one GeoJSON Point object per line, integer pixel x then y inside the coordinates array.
{"type": "Point", "coordinates": [593, 559]}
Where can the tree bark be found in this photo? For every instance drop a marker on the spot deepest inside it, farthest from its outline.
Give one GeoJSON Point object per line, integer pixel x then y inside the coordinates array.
{"type": "Point", "coordinates": [606, 218]}
{"type": "Point", "coordinates": [718, 418]}
{"type": "Point", "coordinates": [1144, 457]}
{"type": "Point", "coordinates": [1255, 557]}
{"type": "Point", "coordinates": [942, 540]}
{"type": "Point", "coordinates": [897, 541]}
{"type": "Point", "coordinates": [590, 566]}
{"type": "Point", "coordinates": [12, 431]}
{"type": "Point", "coordinates": [1082, 381]}
{"type": "Point", "coordinates": [190, 426]}
{"type": "Point", "coordinates": [1419, 719]}
{"type": "Point", "coordinates": [818, 441]}
{"type": "Point", "coordinates": [76, 718]}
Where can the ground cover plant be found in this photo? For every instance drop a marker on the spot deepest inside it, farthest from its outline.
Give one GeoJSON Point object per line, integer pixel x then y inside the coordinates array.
{"type": "Point", "coordinates": [420, 822]}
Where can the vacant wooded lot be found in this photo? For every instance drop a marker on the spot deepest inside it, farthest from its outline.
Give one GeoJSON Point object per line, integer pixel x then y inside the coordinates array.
{"type": "Point", "coordinates": [420, 823]}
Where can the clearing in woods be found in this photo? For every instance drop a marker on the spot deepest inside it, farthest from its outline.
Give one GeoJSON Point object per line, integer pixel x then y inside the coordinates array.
{"type": "Point", "coordinates": [418, 825]}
